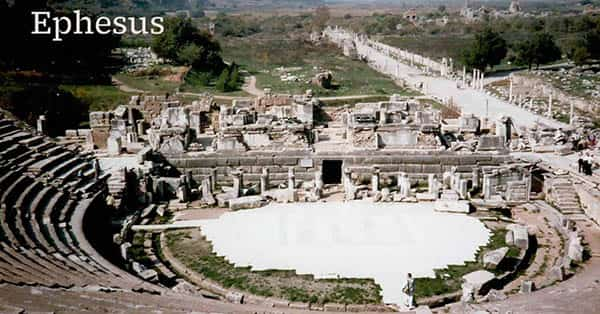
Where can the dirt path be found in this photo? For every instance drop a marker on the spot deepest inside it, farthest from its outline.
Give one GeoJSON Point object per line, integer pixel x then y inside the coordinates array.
{"type": "Point", "coordinates": [125, 88]}
{"type": "Point", "coordinates": [250, 87]}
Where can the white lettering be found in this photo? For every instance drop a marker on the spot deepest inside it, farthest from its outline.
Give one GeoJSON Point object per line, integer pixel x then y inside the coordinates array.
{"type": "Point", "coordinates": [37, 23]}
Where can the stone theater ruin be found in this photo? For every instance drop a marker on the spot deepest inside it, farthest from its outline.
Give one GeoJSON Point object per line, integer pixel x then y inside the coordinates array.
{"type": "Point", "coordinates": [297, 203]}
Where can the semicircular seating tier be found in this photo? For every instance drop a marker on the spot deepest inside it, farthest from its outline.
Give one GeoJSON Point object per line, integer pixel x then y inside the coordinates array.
{"type": "Point", "coordinates": [45, 191]}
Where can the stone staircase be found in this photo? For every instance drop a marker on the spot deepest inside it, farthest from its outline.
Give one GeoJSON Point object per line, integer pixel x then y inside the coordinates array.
{"type": "Point", "coordinates": [564, 196]}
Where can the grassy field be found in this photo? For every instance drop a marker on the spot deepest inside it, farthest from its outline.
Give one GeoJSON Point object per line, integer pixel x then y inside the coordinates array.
{"type": "Point", "coordinates": [99, 97]}
{"type": "Point", "coordinates": [194, 251]}
{"type": "Point", "coordinates": [270, 59]}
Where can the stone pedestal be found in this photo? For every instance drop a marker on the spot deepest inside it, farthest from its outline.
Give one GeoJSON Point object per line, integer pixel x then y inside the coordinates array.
{"type": "Point", "coordinates": [238, 183]}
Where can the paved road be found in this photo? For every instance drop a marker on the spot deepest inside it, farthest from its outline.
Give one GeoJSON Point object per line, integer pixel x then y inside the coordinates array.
{"type": "Point", "coordinates": [473, 101]}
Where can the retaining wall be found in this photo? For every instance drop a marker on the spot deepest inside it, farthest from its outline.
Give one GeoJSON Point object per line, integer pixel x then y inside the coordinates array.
{"type": "Point", "coordinates": [306, 163]}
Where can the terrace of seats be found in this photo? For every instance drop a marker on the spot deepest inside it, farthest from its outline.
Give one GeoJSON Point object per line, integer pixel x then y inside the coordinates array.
{"type": "Point", "coordinates": [45, 191]}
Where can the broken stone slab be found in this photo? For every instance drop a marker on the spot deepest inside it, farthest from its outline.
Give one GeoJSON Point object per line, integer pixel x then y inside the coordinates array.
{"type": "Point", "coordinates": [300, 305]}
{"type": "Point", "coordinates": [149, 275]}
{"type": "Point", "coordinates": [452, 206]}
{"type": "Point", "coordinates": [517, 235]}
{"type": "Point", "coordinates": [492, 259]}
{"type": "Point", "coordinates": [423, 309]}
{"type": "Point", "coordinates": [426, 197]}
{"type": "Point", "coordinates": [334, 307]}
{"type": "Point", "coordinates": [245, 202]}
{"type": "Point", "coordinates": [556, 274]}
{"type": "Point", "coordinates": [494, 295]}
{"type": "Point", "coordinates": [575, 250]}
{"type": "Point", "coordinates": [477, 279]}
{"type": "Point", "coordinates": [527, 286]}
{"type": "Point", "coordinates": [235, 297]}
{"type": "Point", "coordinates": [184, 287]}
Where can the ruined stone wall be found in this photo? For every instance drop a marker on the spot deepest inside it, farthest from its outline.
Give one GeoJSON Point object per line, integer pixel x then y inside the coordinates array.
{"type": "Point", "coordinates": [306, 163]}
{"type": "Point", "coordinates": [538, 87]}
{"type": "Point", "coordinates": [589, 201]}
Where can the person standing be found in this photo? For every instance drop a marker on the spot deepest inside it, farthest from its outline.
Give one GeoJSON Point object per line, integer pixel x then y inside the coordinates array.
{"type": "Point", "coordinates": [409, 290]}
{"type": "Point", "coordinates": [580, 163]}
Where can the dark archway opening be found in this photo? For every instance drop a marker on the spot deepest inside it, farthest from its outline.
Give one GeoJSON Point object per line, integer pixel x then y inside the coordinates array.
{"type": "Point", "coordinates": [332, 171]}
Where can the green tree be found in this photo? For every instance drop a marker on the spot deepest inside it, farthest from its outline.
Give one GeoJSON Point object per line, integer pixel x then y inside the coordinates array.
{"type": "Point", "coordinates": [592, 42]}
{"type": "Point", "coordinates": [222, 81]}
{"type": "Point", "coordinates": [233, 80]}
{"type": "Point", "coordinates": [540, 49]}
{"type": "Point", "coordinates": [189, 54]}
{"type": "Point", "coordinates": [580, 55]}
{"type": "Point", "coordinates": [488, 49]}
{"type": "Point", "coordinates": [184, 44]}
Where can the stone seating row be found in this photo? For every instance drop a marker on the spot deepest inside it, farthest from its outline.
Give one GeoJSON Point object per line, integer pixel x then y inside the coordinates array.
{"type": "Point", "coordinates": [41, 187]}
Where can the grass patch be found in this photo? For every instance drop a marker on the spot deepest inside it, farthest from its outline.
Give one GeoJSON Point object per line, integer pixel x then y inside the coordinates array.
{"type": "Point", "coordinates": [265, 57]}
{"type": "Point", "coordinates": [194, 251]}
{"type": "Point", "coordinates": [204, 82]}
{"type": "Point", "coordinates": [152, 83]}
{"type": "Point", "coordinates": [99, 97]}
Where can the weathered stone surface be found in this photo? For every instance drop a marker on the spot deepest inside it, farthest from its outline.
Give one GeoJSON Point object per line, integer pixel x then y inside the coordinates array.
{"type": "Point", "coordinates": [556, 274]}
{"type": "Point", "coordinates": [246, 202]}
{"type": "Point", "coordinates": [492, 259]}
{"type": "Point", "coordinates": [527, 286]}
{"type": "Point", "coordinates": [518, 236]}
{"type": "Point", "coordinates": [235, 297]}
{"type": "Point", "coordinates": [334, 307]}
{"type": "Point", "coordinates": [495, 295]}
{"type": "Point", "coordinates": [452, 206]}
{"type": "Point", "coordinates": [575, 250]}
{"type": "Point", "coordinates": [477, 279]}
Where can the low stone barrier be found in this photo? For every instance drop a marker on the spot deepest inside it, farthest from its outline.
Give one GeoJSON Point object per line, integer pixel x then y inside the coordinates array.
{"type": "Point", "coordinates": [240, 297]}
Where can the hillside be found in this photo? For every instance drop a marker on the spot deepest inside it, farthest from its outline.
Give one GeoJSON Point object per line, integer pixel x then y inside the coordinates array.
{"type": "Point", "coordinates": [145, 7]}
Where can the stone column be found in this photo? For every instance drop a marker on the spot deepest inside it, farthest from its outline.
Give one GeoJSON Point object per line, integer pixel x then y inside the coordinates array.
{"type": "Point", "coordinates": [264, 181]}
{"type": "Point", "coordinates": [510, 90]}
{"type": "Point", "coordinates": [348, 185]}
{"type": "Point", "coordinates": [487, 186]}
{"type": "Point", "coordinates": [291, 179]}
{"type": "Point", "coordinates": [382, 117]}
{"type": "Point", "coordinates": [41, 124]}
{"type": "Point", "coordinates": [456, 181]}
{"type": "Point", "coordinates": [213, 179]}
{"type": "Point", "coordinates": [318, 184]}
{"type": "Point", "coordinates": [464, 77]}
{"type": "Point", "coordinates": [96, 169]}
{"type": "Point", "coordinates": [238, 182]}
{"type": "Point", "coordinates": [527, 179]}
{"type": "Point", "coordinates": [550, 106]}
{"type": "Point", "coordinates": [475, 177]}
{"type": "Point", "coordinates": [572, 114]}
{"type": "Point", "coordinates": [375, 180]}
{"type": "Point", "coordinates": [462, 188]}
{"type": "Point", "coordinates": [433, 187]}
{"type": "Point", "coordinates": [481, 80]}
{"type": "Point", "coordinates": [404, 184]}
{"type": "Point", "coordinates": [319, 179]}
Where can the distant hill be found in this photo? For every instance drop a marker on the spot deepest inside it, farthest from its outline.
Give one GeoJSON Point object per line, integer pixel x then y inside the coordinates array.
{"type": "Point", "coordinates": [145, 7]}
